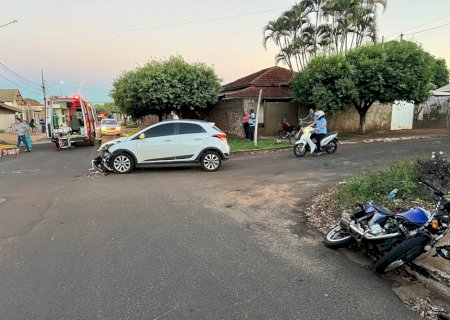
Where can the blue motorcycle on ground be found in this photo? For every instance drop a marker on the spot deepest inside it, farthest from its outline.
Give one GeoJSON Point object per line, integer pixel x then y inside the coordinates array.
{"type": "Point", "coordinates": [394, 239]}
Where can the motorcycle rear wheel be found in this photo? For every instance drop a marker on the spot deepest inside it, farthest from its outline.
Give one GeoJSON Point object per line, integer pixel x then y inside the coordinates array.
{"type": "Point", "coordinates": [299, 150]}
{"type": "Point", "coordinates": [338, 238]}
{"type": "Point", "coordinates": [405, 252]}
{"type": "Point", "coordinates": [331, 147]}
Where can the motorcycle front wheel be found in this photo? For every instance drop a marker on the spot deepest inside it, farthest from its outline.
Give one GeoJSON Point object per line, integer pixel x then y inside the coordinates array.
{"type": "Point", "coordinates": [404, 253]}
{"type": "Point", "coordinates": [299, 150]}
{"type": "Point", "coordinates": [338, 238]}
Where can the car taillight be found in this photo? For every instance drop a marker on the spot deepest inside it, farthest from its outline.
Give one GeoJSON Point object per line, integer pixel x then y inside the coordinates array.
{"type": "Point", "coordinates": [221, 136]}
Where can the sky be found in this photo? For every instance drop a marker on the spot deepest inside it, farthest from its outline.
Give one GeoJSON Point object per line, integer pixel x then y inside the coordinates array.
{"type": "Point", "coordinates": [82, 46]}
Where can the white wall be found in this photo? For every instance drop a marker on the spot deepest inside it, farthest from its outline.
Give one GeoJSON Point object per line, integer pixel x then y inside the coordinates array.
{"type": "Point", "coordinates": [6, 119]}
{"type": "Point", "coordinates": [402, 115]}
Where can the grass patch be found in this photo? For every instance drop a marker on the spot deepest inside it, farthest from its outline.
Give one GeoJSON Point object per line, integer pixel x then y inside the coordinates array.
{"type": "Point", "coordinates": [375, 186]}
{"type": "Point", "coordinates": [246, 145]}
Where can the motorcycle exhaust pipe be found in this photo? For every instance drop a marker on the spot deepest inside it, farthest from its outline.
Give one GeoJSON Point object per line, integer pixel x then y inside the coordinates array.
{"type": "Point", "coordinates": [369, 236]}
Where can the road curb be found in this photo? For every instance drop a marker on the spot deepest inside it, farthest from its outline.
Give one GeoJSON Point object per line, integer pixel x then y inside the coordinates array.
{"type": "Point", "coordinates": [431, 272]}
{"type": "Point", "coordinates": [344, 142]}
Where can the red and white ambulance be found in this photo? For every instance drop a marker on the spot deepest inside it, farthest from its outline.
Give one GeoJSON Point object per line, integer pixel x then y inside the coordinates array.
{"type": "Point", "coordinates": [70, 117]}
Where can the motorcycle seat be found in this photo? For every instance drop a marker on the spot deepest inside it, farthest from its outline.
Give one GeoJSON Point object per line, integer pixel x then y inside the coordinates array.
{"type": "Point", "coordinates": [383, 210]}
{"type": "Point", "coordinates": [330, 133]}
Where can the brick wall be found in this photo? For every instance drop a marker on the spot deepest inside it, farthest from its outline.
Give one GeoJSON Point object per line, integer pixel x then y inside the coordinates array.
{"type": "Point", "coordinates": [378, 118]}
{"type": "Point", "coordinates": [228, 114]}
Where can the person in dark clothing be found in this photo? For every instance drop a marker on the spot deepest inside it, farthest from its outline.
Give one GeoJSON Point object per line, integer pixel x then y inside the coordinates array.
{"type": "Point", "coordinates": [42, 123]}
{"type": "Point", "coordinates": [251, 124]}
{"type": "Point", "coordinates": [33, 126]}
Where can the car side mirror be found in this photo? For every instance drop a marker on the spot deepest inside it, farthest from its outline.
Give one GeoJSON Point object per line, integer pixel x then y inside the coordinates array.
{"type": "Point", "coordinates": [142, 136]}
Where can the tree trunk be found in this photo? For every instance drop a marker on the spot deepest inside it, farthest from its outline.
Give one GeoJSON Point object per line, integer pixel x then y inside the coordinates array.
{"type": "Point", "coordinates": [362, 123]}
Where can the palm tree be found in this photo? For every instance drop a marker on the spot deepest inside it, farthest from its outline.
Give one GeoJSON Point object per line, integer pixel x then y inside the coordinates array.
{"type": "Point", "coordinates": [316, 7]}
{"type": "Point", "coordinates": [278, 31]}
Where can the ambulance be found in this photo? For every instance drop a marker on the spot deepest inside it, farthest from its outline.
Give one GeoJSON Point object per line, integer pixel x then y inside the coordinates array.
{"type": "Point", "coordinates": [72, 118]}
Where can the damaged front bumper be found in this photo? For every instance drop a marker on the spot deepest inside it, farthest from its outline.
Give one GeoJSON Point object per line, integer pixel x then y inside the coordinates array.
{"type": "Point", "coordinates": [102, 162]}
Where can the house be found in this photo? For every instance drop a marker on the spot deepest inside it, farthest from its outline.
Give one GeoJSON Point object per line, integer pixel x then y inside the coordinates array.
{"type": "Point", "coordinates": [435, 113]}
{"type": "Point", "coordinates": [241, 95]}
{"type": "Point", "coordinates": [35, 110]}
{"type": "Point", "coordinates": [8, 115]}
{"type": "Point", "coordinates": [29, 108]}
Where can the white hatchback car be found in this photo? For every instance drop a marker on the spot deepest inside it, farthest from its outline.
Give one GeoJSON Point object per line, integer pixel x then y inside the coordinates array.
{"type": "Point", "coordinates": [167, 143]}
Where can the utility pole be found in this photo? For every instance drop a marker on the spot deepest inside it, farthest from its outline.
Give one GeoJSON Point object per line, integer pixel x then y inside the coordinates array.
{"type": "Point", "coordinates": [46, 106]}
{"type": "Point", "coordinates": [255, 135]}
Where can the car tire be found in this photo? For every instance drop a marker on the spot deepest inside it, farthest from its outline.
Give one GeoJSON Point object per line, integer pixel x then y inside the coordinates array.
{"type": "Point", "coordinates": [122, 163]}
{"type": "Point", "coordinates": [210, 161]}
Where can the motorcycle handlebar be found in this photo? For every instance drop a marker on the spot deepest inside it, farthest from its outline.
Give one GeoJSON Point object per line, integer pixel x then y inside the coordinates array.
{"type": "Point", "coordinates": [436, 191]}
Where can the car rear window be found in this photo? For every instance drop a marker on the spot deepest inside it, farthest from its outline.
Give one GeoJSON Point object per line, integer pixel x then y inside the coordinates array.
{"type": "Point", "coordinates": [109, 122]}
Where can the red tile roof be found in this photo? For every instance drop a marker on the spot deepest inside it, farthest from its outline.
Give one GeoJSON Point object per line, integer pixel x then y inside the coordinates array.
{"type": "Point", "coordinates": [267, 93]}
{"type": "Point", "coordinates": [275, 83]}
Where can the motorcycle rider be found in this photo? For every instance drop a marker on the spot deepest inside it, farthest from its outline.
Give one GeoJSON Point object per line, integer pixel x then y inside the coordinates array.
{"type": "Point", "coordinates": [320, 129]}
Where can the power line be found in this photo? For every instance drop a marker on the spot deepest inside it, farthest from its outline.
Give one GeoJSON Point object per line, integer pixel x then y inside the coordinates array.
{"type": "Point", "coordinates": [442, 25]}
{"type": "Point", "coordinates": [18, 75]}
{"type": "Point", "coordinates": [148, 28]}
{"type": "Point", "coordinates": [77, 87]}
{"type": "Point", "coordinates": [402, 32]}
{"type": "Point", "coordinates": [22, 87]}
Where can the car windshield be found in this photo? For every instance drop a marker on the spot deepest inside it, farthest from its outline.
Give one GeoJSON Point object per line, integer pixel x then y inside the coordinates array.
{"type": "Point", "coordinates": [109, 122]}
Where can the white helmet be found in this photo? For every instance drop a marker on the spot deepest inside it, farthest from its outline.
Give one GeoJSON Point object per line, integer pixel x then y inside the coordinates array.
{"type": "Point", "coordinates": [319, 113]}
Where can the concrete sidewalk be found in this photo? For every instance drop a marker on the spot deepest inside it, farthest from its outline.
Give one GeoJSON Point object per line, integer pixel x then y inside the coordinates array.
{"type": "Point", "coordinates": [6, 138]}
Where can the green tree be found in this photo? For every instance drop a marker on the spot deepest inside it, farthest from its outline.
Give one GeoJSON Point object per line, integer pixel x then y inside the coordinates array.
{"type": "Point", "coordinates": [108, 107]}
{"type": "Point", "coordinates": [161, 86]}
{"type": "Point", "coordinates": [440, 73]}
{"type": "Point", "coordinates": [327, 83]}
{"type": "Point", "coordinates": [383, 72]}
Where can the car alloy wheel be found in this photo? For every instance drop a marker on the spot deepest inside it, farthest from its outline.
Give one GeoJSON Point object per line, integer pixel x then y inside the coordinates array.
{"type": "Point", "coordinates": [122, 163]}
{"type": "Point", "coordinates": [211, 161]}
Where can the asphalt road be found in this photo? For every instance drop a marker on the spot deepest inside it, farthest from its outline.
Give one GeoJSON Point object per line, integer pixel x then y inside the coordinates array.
{"type": "Point", "coordinates": [181, 243]}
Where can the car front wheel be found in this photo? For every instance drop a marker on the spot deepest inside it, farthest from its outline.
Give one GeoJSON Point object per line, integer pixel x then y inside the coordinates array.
{"type": "Point", "coordinates": [122, 163]}
{"type": "Point", "coordinates": [211, 161]}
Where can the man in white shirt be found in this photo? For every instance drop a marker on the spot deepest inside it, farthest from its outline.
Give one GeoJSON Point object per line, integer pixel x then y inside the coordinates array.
{"type": "Point", "coordinates": [174, 115]}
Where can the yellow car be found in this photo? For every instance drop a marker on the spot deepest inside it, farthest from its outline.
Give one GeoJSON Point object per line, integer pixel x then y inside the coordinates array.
{"type": "Point", "coordinates": [110, 127]}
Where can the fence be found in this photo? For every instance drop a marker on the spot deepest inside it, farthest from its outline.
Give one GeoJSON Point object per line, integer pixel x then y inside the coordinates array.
{"type": "Point", "coordinates": [435, 113]}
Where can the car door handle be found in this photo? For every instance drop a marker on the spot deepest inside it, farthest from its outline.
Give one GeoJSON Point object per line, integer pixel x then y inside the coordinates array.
{"type": "Point", "coordinates": [167, 140]}
{"type": "Point", "coordinates": [198, 139]}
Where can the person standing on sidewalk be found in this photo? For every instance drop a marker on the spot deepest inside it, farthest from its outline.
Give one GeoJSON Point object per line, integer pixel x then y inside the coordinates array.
{"type": "Point", "coordinates": [245, 120]}
{"type": "Point", "coordinates": [21, 130]}
{"type": "Point", "coordinates": [42, 123]}
{"type": "Point", "coordinates": [251, 124]}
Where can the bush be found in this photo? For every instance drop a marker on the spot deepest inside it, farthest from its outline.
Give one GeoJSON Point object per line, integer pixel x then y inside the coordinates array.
{"type": "Point", "coordinates": [375, 186]}
{"type": "Point", "coordinates": [2, 130]}
{"type": "Point", "coordinates": [435, 169]}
